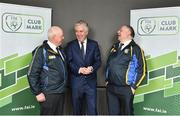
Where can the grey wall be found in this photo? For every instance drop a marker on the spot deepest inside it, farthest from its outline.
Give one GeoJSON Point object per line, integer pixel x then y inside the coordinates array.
{"type": "Point", "coordinates": [104, 18]}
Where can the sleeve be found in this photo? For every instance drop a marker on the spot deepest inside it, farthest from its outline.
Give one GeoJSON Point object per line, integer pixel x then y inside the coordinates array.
{"type": "Point", "coordinates": [69, 54]}
{"type": "Point", "coordinates": [107, 64]}
{"type": "Point", "coordinates": [141, 69]}
{"type": "Point", "coordinates": [97, 58]}
{"type": "Point", "coordinates": [34, 71]}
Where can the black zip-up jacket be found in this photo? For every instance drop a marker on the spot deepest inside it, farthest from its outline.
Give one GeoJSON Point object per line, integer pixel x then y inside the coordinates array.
{"type": "Point", "coordinates": [126, 67]}
{"type": "Point", "coordinates": [47, 72]}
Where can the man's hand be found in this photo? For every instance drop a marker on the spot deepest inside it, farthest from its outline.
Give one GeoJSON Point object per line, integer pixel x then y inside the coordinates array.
{"type": "Point", "coordinates": [106, 83]}
{"type": "Point", "coordinates": [85, 71]}
{"type": "Point", "coordinates": [40, 97]}
{"type": "Point", "coordinates": [81, 70]}
{"type": "Point", "coordinates": [133, 90]}
{"type": "Point", "coordinates": [90, 68]}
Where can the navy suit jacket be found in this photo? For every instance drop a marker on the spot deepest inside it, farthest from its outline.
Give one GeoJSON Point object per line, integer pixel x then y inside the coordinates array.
{"type": "Point", "coordinates": [75, 60]}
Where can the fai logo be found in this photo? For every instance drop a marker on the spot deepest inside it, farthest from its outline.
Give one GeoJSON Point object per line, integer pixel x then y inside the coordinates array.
{"type": "Point", "coordinates": [22, 23]}
{"type": "Point", "coordinates": [148, 26]}
{"type": "Point", "coordinates": [13, 22]}
{"type": "Point", "coordinates": [165, 25]}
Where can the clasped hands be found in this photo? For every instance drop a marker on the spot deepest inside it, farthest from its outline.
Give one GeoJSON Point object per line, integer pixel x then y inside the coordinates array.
{"type": "Point", "coordinates": [85, 70]}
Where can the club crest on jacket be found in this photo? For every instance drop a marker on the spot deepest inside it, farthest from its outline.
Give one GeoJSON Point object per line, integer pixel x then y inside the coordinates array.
{"type": "Point", "coordinates": [113, 49]}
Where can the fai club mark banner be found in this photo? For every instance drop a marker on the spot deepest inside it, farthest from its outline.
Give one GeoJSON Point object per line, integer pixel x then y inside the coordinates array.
{"type": "Point", "coordinates": [158, 34]}
{"type": "Point", "coordinates": [22, 29]}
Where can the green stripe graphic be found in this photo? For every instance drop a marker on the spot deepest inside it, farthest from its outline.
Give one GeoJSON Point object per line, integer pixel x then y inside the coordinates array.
{"type": "Point", "coordinates": [154, 85]}
{"type": "Point", "coordinates": [175, 90]}
{"type": "Point", "coordinates": [17, 63]}
{"type": "Point", "coordinates": [172, 72]}
{"type": "Point", "coordinates": [161, 61]}
{"type": "Point", "coordinates": [138, 99]}
{"type": "Point", "coordinates": [6, 58]}
{"type": "Point", "coordinates": [5, 101]}
{"type": "Point", "coordinates": [21, 84]}
{"type": "Point", "coordinates": [156, 73]}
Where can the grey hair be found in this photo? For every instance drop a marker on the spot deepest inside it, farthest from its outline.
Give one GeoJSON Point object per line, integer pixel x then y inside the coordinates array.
{"type": "Point", "coordinates": [82, 22]}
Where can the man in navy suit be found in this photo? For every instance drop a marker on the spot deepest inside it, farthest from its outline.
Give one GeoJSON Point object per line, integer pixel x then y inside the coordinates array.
{"type": "Point", "coordinates": [83, 56]}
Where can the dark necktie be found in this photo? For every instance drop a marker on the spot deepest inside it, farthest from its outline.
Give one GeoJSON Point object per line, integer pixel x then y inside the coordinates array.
{"type": "Point", "coordinates": [120, 46]}
{"type": "Point", "coordinates": [82, 50]}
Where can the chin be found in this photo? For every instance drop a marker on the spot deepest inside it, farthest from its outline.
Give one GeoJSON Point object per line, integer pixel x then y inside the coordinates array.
{"type": "Point", "coordinates": [80, 39]}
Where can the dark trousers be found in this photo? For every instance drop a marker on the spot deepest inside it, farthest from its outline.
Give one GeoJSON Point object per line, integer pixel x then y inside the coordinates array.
{"type": "Point", "coordinates": [53, 105]}
{"type": "Point", "coordinates": [83, 92]}
{"type": "Point", "coordinates": [120, 100]}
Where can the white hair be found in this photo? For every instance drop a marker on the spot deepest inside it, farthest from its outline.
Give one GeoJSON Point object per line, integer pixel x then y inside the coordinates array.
{"type": "Point", "coordinates": [82, 22]}
{"type": "Point", "coordinates": [54, 30]}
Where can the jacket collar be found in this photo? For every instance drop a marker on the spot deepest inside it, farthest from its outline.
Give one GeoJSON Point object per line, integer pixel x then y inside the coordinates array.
{"type": "Point", "coordinates": [49, 49]}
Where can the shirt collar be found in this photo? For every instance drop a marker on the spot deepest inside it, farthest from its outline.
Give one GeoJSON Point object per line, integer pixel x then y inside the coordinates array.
{"type": "Point", "coordinates": [127, 42]}
{"type": "Point", "coordinates": [52, 46]}
{"type": "Point", "coordinates": [84, 42]}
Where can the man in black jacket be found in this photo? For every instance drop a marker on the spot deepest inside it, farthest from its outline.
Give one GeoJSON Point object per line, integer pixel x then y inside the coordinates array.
{"type": "Point", "coordinates": [47, 73]}
{"type": "Point", "coordinates": [125, 70]}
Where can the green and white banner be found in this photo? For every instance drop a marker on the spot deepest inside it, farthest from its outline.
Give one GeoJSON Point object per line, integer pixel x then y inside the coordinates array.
{"type": "Point", "coordinates": [22, 29]}
{"type": "Point", "coordinates": [158, 34]}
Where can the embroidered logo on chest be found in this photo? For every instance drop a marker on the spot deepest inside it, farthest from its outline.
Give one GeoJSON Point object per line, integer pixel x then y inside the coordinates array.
{"type": "Point", "coordinates": [52, 57]}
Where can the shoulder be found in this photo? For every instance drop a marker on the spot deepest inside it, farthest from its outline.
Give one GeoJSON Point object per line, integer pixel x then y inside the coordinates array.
{"type": "Point", "coordinates": [92, 42]}
{"type": "Point", "coordinates": [70, 45]}
{"type": "Point", "coordinates": [115, 45]}
{"type": "Point", "coordinates": [38, 49]}
{"type": "Point", "coordinates": [136, 47]}
{"type": "Point", "coordinates": [71, 42]}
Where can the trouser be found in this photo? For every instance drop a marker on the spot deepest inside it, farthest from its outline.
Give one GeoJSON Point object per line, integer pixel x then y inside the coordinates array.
{"type": "Point", "coordinates": [53, 105]}
{"type": "Point", "coordinates": [81, 93]}
{"type": "Point", "coordinates": [120, 100]}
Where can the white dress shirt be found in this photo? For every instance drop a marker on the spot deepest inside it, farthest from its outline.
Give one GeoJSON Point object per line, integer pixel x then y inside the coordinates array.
{"type": "Point", "coordinates": [84, 43]}
{"type": "Point", "coordinates": [125, 44]}
{"type": "Point", "coordinates": [52, 46]}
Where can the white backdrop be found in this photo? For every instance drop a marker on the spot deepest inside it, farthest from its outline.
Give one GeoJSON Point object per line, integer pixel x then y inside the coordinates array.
{"type": "Point", "coordinates": [157, 32]}
{"type": "Point", "coordinates": [22, 29]}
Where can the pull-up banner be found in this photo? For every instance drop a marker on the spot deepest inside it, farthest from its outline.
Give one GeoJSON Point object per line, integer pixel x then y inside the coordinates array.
{"type": "Point", "coordinates": [158, 34]}
{"type": "Point", "coordinates": [22, 29]}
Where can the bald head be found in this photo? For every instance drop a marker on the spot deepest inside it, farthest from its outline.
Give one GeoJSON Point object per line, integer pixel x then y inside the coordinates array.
{"type": "Point", "coordinates": [55, 35]}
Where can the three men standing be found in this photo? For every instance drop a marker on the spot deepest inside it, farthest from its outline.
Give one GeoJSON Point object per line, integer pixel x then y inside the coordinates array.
{"type": "Point", "coordinates": [125, 70]}
{"type": "Point", "coordinates": [83, 57]}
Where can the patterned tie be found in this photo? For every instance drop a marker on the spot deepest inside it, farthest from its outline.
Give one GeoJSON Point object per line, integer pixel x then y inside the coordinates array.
{"type": "Point", "coordinates": [82, 50]}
